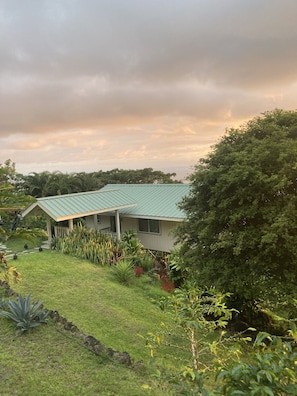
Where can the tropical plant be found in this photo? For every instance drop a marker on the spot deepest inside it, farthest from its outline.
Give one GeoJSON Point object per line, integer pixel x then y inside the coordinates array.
{"type": "Point", "coordinates": [146, 261]}
{"type": "Point", "coordinates": [25, 315]}
{"type": "Point", "coordinates": [272, 371]}
{"type": "Point", "coordinates": [124, 272]}
{"type": "Point", "coordinates": [202, 316]}
{"type": "Point", "coordinates": [131, 245]}
{"type": "Point", "coordinates": [8, 273]}
{"type": "Point", "coordinates": [87, 244]}
{"type": "Point", "coordinates": [37, 184]}
{"type": "Point", "coordinates": [198, 312]}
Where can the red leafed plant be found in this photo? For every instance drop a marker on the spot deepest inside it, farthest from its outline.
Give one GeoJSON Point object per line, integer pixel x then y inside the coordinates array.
{"type": "Point", "coordinates": [166, 283]}
{"type": "Point", "coordinates": [138, 270]}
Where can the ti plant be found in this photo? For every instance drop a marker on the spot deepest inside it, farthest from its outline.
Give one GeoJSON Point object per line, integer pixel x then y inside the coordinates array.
{"type": "Point", "coordinates": [25, 314]}
{"type": "Point", "coordinates": [8, 273]}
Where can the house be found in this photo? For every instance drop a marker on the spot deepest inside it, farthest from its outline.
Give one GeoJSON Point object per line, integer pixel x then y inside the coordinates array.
{"type": "Point", "coordinates": [149, 209]}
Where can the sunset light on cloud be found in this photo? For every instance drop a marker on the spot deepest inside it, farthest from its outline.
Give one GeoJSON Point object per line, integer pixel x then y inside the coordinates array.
{"type": "Point", "coordinates": [90, 85]}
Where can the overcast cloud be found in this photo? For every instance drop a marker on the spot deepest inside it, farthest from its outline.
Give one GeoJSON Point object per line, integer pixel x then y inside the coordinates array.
{"type": "Point", "coordinates": [100, 84]}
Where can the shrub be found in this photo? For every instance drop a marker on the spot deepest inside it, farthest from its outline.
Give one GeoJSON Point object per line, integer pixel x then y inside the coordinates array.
{"type": "Point", "coordinates": [8, 273]}
{"type": "Point", "coordinates": [138, 270]}
{"type": "Point", "coordinates": [124, 272]}
{"type": "Point", "coordinates": [146, 261]}
{"type": "Point", "coordinates": [24, 314]}
{"type": "Point", "coordinates": [166, 283]}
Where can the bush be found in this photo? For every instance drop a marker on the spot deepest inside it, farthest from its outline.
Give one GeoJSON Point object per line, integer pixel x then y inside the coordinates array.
{"type": "Point", "coordinates": [146, 261]}
{"type": "Point", "coordinates": [272, 370]}
{"type": "Point", "coordinates": [24, 314]}
{"type": "Point", "coordinates": [138, 270]}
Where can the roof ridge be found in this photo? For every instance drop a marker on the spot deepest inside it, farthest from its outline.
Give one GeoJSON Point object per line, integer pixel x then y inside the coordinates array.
{"type": "Point", "coordinates": [76, 194]}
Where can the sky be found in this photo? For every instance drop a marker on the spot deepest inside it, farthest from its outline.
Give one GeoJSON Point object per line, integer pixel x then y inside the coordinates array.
{"type": "Point", "coordinates": [88, 85]}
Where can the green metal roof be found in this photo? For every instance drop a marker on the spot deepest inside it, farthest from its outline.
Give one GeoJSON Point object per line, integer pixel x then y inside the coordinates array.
{"type": "Point", "coordinates": [70, 206]}
{"type": "Point", "coordinates": [158, 201]}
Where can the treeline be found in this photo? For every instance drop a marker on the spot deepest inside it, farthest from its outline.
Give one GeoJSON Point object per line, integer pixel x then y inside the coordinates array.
{"type": "Point", "coordinates": [46, 183]}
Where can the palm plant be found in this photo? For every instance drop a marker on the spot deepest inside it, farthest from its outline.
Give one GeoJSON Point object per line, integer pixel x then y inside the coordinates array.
{"type": "Point", "coordinates": [37, 184]}
{"type": "Point", "coordinates": [124, 272]}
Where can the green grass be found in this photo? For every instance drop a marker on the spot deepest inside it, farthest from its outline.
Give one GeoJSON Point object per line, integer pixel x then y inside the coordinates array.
{"type": "Point", "coordinates": [48, 361]}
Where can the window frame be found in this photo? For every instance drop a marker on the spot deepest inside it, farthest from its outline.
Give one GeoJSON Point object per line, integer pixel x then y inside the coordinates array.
{"type": "Point", "coordinates": [148, 226]}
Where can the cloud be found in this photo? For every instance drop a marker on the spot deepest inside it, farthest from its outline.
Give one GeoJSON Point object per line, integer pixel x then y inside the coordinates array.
{"type": "Point", "coordinates": [130, 83]}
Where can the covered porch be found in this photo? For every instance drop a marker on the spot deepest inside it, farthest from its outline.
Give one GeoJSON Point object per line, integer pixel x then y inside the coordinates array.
{"type": "Point", "coordinates": [67, 208]}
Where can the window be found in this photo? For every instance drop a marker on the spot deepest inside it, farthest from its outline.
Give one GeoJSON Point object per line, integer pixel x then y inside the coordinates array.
{"type": "Point", "coordinates": [98, 219]}
{"type": "Point", "coordinates": [149, 225]}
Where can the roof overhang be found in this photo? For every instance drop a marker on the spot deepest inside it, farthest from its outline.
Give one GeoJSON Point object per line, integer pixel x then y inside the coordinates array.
{"type": "Point", "coordinates": [174, 219]}
{"type": "Point", "coordinates": [37, 209]}
{"type": "Point", "coordinates": [73, 206]}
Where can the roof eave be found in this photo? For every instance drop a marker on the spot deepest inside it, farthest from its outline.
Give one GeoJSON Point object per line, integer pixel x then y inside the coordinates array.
{"type": "Point", "coordinates": [137, 216]}
{"type": "Point", "coordinates": [93, 212]}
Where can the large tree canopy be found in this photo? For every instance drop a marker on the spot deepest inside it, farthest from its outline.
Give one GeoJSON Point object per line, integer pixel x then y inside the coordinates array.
{"type": "Point", "coordinates": [240, 232]}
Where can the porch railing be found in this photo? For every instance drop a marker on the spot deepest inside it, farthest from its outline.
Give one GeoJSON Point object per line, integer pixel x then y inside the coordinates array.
{"type": "Point", "coordinates": [61, 231]}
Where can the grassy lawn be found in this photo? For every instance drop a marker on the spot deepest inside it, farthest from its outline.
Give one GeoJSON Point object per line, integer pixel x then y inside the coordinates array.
{"type": "Point", "coordinates": [48, 361]}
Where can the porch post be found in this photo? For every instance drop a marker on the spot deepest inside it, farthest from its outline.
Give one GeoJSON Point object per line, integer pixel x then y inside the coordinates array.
{"type": "Point", "coordinates": [70, 224]}
{"type": "Point", "coordinates": [49, 228]}
{"type": "Point", "coordinates": [118, 226]}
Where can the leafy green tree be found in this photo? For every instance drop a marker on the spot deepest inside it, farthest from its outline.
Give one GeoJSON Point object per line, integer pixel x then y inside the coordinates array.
{"type": "Point", "coordinates": [138, 176]}
{"type": "Point", "coordinates": [241, 214]}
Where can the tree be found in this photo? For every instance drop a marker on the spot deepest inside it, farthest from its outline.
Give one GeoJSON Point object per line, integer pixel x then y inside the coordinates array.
{"type": "Point", "coordinates": [241, 215]}
{"type": "Point", "coordinates": [138, 176]}
{"type": "Point", "coordinates": [83, 181]}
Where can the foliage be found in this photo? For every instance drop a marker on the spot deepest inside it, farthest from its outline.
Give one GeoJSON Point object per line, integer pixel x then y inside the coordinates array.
{"type": "Point", "coordinates": [103, 249]}
{"type": "Point", "coordinates": [8, 273]}
{"type": "Point", "coordinates": [272, 370]}
{"type": "Point", "coordinates": [47, 184]}
{"type": "Point", "coordinates": [88, 244]}
{"type": "Point", "coordinates": [198, 312]}
{"type": "Point", "coordinates": [124, 272]}
{"type": "Point", "coordinates": [138, 270]}
{"type": "Point", "coordinates": [11, 203]}
{"type": "Point", "coordinates": [146, 261]}
{"type": "Point", "coordinates": [201, 315]}
{"type": "Point", "coordinates": [241, 217]}
{"type": "Point", "coordinates": [24, 314]}
{"type": "Point", "coordinates": [177, 270]}
{"type": "Point", "coordinates": [131, 246]}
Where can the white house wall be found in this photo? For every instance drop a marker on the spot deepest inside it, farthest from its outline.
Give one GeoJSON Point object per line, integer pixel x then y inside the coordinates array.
{"type": "Point", "coordinates": [104, 224]}
{"type": "Point", "coordinates": [163, 241]}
